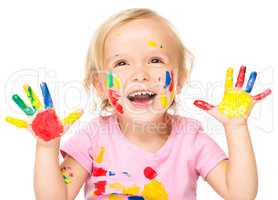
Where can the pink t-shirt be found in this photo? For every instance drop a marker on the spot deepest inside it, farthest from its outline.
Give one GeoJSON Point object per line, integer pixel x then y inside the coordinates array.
{"type": "Point", "coordinates": [119, 169]}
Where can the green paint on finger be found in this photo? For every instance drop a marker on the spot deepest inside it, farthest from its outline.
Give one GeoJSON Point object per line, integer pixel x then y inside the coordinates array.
{"type": "Point", "coordinates": [26, 109]}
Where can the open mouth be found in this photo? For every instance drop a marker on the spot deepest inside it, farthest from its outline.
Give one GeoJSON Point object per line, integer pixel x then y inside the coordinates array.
{"type": "Point", "coordinates": [141, 96]}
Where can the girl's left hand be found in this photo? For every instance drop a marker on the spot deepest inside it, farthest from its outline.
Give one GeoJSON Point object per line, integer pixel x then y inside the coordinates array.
{"type": "Point", "coordinates": [236, 103]}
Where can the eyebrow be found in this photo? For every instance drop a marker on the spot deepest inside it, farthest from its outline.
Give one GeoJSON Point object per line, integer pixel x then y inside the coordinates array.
{"type": "Point", "coordinates": [110, 58]}
{"type": "Point", "coordinates": [156, 52]}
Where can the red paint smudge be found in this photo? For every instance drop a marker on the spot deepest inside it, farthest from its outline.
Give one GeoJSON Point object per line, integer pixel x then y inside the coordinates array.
{"type": "Point", "coordinates": [203, 105]}
{"type": "Point", "coordinates": [99, 171]}
{"type": "Point", "coordinates": [172, 82]}
{"type": "Point", "coordinates": [47, 125]}
{"type": "Point", "coordinates": [119, 108]}
{"type": "Point", "coordinates": [114, 97]}
{"type": "Point", "coordinates": [100, 187]}
{"type": "Point", "coordinates": [150, 173]}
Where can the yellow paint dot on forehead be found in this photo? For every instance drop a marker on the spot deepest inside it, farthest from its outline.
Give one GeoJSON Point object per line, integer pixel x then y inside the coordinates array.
{"type": "Point", "coordinates": [152, 44]}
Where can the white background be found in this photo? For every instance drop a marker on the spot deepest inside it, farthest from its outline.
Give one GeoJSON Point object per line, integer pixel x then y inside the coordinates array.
{"type": "Point", "coordinates": [48, 41]}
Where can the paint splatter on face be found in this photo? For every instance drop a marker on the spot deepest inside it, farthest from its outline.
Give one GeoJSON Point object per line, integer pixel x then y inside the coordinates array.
{"type": "Point", "coordinates": [152, 44]}
{"type": "Point", "coordinates": [168, 86]}
{"type": "Point", "coordinates": [114, 81]}
{"type": "Point", "coordinates": [67, 174]}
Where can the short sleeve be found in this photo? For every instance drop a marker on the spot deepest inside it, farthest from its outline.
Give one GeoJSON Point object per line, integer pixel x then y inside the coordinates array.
{"type": "Point", "coordinates": [78, 147]}
{"type": "Point", "coordinates": [208, 153]}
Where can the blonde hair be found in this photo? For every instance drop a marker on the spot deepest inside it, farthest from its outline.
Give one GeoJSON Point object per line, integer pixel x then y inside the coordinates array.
{"type": "Point", "coordinates": [95, 56]}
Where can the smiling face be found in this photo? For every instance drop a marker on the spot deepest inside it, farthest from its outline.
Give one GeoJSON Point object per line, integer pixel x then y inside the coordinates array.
{"type": "Point", "coordinates": [140, 58]}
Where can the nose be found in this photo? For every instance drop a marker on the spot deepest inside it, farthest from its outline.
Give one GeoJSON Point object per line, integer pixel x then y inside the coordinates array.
{"type": "Point", "coordinates": [140, 75]}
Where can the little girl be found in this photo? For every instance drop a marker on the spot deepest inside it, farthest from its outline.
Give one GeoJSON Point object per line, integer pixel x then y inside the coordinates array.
{"type": "Point", "coordinates": [137, 65]}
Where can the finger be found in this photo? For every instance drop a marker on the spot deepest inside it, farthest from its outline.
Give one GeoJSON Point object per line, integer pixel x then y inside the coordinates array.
{"type": "Point", "coordinates": [72, 117]}
{"type": "Point", "coordinates": [241, 76]}
{"type": "Point", "coordinates": [229, 78]}
{"type": "Point", "coordinates": [251, 82]}
{"type": "Point", "coordinates": [46, 96]}
{"type": "Point", "coordinates": [32, 97]}
{"type": "Point", "coordinates": [21, 104]}
{"type": "Point", "coordinates": [262, 95]}
{"type": "Point", "coordinates": [203, 105]}
{"type": "Point", "coordinates": [17, 122]}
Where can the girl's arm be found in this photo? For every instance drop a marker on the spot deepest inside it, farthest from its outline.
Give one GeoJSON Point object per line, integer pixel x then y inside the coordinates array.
{"type": "Point", "coordinates": [49, 182]}
{"type": "Point", "coordinates": [236, 178]}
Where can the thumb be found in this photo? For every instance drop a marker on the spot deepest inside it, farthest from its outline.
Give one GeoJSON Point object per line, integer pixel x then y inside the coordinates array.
{"type": "Point", "coordinates": [72, 117]}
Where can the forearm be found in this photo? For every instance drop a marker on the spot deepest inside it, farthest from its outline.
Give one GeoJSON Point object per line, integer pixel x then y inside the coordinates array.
{"type": "Point", "coordinates": [242, 179]}
{"type": "Point", "coordinates": [48, 182]}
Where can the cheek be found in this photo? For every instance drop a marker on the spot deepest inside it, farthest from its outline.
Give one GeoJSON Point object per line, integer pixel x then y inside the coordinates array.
{"type": "Point", "coordinates": [114, 84]}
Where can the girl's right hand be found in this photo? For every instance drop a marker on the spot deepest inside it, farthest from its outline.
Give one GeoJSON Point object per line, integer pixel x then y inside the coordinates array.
{"type": "Point", "coordinates": [43, 123]}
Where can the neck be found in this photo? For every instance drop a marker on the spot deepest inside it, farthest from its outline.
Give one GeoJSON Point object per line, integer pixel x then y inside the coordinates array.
{"type": "Point", "coordinates": [159, 127]}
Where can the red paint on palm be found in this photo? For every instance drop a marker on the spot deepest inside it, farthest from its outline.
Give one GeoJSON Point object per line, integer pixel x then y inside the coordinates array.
{"type": "Point", "coordinates": [47, 125]}
{"type": "Point", "coordinates": [150, 173]}
{"type": "Point", "coordinates": [98, 171]}
{"type": "Point", "coordinates": [203, 105]}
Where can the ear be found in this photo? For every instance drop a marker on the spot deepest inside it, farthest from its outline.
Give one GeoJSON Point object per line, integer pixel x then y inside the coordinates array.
{"type": "Point", "coordinates": [182, 77]}
{"type": "Point", "coordinates": [99, 87]}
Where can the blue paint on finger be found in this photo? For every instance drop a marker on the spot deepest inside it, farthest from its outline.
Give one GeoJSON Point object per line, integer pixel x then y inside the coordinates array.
{"type": "Point", "coordinates": [46, 96]}
{"type": "Point", "coordinates": [251, 82]}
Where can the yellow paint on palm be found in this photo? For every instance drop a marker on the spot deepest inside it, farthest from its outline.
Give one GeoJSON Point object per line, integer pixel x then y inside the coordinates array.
{"type": "Point", "coordinates": [17, 122]}
{"type": "Point", "coordinates": [72, 117]}
{"type": "Point", "coordinates": [117, 82]}
{"type": "Point", "coordinates": [152, 44]}
{"type": "Point", "coordinates": [133, 190]}
{"type": "Point", "coordinates": [154, 190]}
{"type": "Point", "coordinates": [100, 155]}
{"type": "Point", "coordinates": [115, 197]}
{"type": "Point", "coordinates": [32, 97]}
{"type": "Point", "coordinates": [229, 78]}
{"type": "Point", "coordinates": [164, 101]}
{"type": "Point", "coordinates": [235, 103]}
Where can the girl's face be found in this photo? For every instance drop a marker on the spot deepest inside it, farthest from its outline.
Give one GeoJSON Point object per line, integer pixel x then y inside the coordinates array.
{"type": "Point", "coordinates": [141, 62]}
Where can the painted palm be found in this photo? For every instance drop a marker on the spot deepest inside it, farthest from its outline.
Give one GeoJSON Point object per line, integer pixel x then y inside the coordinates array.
{"type": "Point", "coordinates": [43, 121]}
{"type": "Point", "coordinates": [236, 102]}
